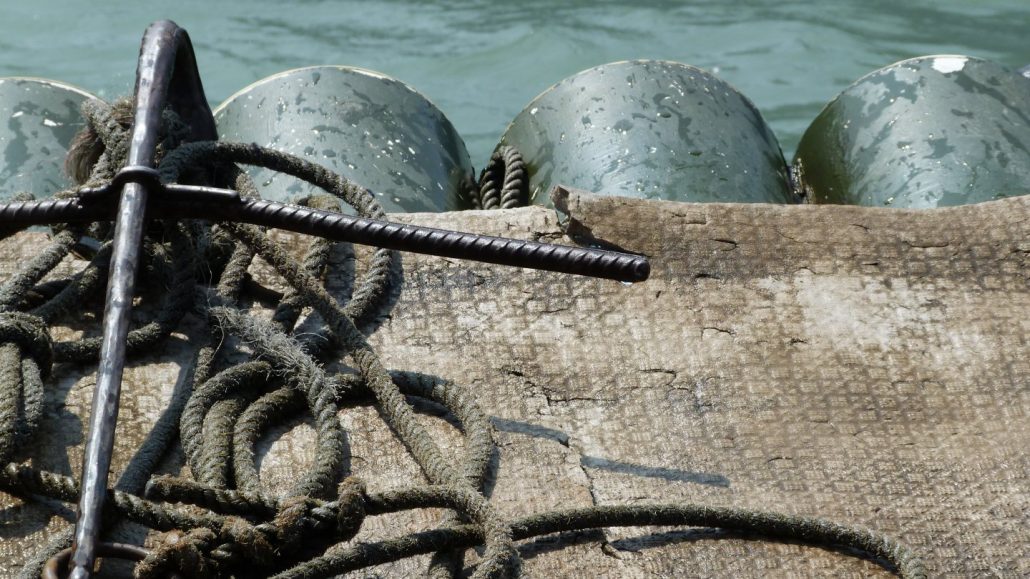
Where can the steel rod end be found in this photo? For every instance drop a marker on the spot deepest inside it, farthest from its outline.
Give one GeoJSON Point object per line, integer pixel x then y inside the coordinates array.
{"type": "Point", "coordinates": [641, 270]}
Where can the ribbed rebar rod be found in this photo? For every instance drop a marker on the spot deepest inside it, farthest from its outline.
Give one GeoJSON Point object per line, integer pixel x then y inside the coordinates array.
{"type": "Point", "coordinates": [440, 242]}
{"type": "Point", "coordinates": [514, 252]}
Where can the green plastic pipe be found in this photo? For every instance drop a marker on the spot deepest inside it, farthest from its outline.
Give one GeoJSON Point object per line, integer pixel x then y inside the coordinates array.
{"type": "Point", "coordinates": [38, 120]}
{"type": "Point", "coordinates": [369, 127]}
{"type": "Point", "coordinates": [652, 130]}
{"type": "Point", "coordinates": [927, 132]}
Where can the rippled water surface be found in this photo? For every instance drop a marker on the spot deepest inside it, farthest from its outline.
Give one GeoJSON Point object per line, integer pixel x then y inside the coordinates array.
{"type": "Point", "coordinates": [482, 61]}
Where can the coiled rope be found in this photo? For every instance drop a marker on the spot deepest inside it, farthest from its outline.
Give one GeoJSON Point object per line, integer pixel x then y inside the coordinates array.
{"type": "Point", "coordinates": [222, 523]}
{"type": "Point", "coordinates": [503, 183]}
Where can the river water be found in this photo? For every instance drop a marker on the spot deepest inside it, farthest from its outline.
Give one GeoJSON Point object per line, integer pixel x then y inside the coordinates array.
{"type": "Point", "coordinates": [482, 61]}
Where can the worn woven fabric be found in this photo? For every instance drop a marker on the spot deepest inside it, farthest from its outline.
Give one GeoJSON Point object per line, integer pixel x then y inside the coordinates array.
{"type": "Point", "coordinates": [866, 366]}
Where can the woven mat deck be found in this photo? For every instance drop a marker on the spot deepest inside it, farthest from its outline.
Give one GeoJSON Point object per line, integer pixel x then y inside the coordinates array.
{"type": "Point", "coordinates": [867, 366]}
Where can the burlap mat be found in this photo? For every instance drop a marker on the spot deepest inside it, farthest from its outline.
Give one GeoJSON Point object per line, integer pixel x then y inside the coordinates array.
{"type": "Point", "coordinates": [867, 366]}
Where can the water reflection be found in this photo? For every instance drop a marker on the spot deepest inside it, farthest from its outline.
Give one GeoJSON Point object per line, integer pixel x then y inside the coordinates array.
{"type": "Point", "coordinates": [481, 61]}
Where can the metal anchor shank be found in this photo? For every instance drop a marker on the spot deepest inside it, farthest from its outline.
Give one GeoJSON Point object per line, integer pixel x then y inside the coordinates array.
{"type": "Point", "coordinates": [165, 54]}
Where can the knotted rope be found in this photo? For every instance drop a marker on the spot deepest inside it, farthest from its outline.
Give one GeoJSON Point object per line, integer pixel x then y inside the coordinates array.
{"type": "Point", "coordinates": [222, 522]}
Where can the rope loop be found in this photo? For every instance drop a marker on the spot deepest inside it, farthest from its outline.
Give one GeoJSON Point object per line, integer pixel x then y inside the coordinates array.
{"type": "Point", "coordinates": [184, 553]}
{"type": "Point", "coordinates": [503, 183]}
{"type": "Point", "coordinates": [32, 335]}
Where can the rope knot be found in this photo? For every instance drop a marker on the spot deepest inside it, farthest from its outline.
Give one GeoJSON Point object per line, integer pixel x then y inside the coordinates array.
{"type": "Point", "coordinates": [255, 543]}
{"type": "Point", "coordinates": [301, 517]}
{"type": "Point", "coordinates": [294, 520]}
{"type": "Point", "coordinates": [180, 553]}
{"type": "Point", "coordinates": [31, 334]}
{"type": "Point", "coordinates": [350, 510]}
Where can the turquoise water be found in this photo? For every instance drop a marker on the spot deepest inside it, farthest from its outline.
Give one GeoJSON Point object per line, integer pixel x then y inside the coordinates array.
{"type": "Point", "coordinates": [482, 61]}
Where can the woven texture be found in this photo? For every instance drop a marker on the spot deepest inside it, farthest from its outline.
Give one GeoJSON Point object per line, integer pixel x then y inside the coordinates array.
{"type": "Point", "coordinates": [865, 366]}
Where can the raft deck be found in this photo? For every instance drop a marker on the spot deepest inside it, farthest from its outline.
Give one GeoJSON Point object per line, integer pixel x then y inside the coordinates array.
{"type": "Point", "coordinates": [868, 366]}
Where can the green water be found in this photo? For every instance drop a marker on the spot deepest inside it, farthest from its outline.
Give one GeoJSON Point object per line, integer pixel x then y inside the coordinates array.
{"type": "Point", "coordinates": [482, 61]}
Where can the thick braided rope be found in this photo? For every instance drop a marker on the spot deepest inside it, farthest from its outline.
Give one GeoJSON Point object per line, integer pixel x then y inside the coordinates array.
{"type": "Point", "coordinates": [175, 267]}
{"type": "Point", "coordinates": [371, 289]}
{"type": "Point", "coordinates": [365, 302]}
{"type": "Point", "coordinates": [500, 553]}
{"type": "Point", "coordinates": [24, 480]}
{"type": "Point", "coordinates": [812, 531]}
{"type": "Point", "coordinates": [503, 184]}
{"type": "Point", "coordinates": [231, 381]}
{"type": "Point", "coordinates": [26, 357]}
